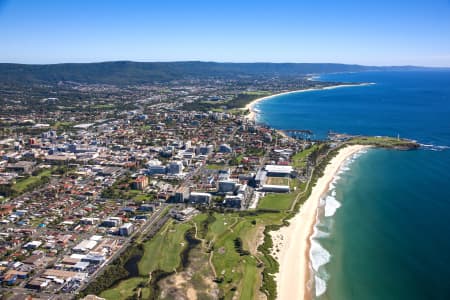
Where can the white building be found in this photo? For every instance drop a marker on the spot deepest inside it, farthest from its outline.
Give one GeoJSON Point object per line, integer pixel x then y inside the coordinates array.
{"type": "Point", "coordinates": [84, 246]}
{"type": "Point", "coordinates": [126, 229]}
{"type": "Point", "coordinates": [200, 198]}
{"type": "Point", "coordinates": [278, 170]}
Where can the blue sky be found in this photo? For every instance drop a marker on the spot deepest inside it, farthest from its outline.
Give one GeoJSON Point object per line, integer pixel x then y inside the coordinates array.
{"type": "Point", "coordinates": [382, 32]}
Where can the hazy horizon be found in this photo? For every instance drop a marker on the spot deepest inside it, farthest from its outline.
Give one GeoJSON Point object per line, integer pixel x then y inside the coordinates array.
{"type": "Point", "coordinates": [223, 62]}
{"type": "Point", "coordinates": [372, 34]}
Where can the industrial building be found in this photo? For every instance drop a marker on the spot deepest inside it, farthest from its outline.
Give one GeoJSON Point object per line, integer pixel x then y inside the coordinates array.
{"type": "Point", "coordinates": [84, 246]}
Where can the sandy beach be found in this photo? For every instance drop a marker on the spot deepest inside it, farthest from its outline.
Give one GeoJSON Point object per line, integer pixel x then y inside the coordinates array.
{"type": "Point", "coordinates": [291, 243]}
{"type": "Point", "coordinates": [251, 106]}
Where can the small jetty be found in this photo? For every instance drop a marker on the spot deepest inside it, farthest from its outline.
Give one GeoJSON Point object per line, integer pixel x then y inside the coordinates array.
{"type": "Point", "coordinates": [302, 134]}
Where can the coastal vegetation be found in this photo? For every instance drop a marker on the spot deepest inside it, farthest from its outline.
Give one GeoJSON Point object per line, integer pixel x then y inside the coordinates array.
{"type": "Point", "coordinates": [384, 142]}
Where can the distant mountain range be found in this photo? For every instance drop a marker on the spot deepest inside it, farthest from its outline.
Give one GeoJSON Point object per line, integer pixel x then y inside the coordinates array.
{"type": "Point", "coordinates": [129, 73]}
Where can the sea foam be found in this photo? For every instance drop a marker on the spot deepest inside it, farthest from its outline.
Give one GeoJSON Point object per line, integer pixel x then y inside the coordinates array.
{"type": "Point", "coordinates": [320, 286]}
{"type": "Point", "coordinates": [319, 255]}
{"type": "Point", "coordinates": [331, 205]}
{"type": "Point", "coordinates": [320, 234]}
{"type": "Point", "coordinates": [434, 147]}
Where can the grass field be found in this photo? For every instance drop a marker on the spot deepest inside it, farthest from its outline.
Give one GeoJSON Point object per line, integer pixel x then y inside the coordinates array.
{"type": "Point", "coordinates": [142, 197]}
{"type": "Point", "coordinates": [299, 159]}
{"type": "Point", "coordinates": [103, 106]}
{"type": "Point", "coordinates": [215, 167]}
{"type": "Point", "coordinates": [383, 141]}
{"type": "Point", "coordinates": [21, 185]}
{"type": "Point", "coordinates": [238, 272]}
{"type": "Point", "coordinates": [258, 93]}
{"type": "Point", "coordinates": [124, 289]}
{"type": "Point", "coordinates": [278, 180]}
{"type": "Point", "coordinates": [277, 201]}
{"type": "Point", "coordinates": [163, 250]}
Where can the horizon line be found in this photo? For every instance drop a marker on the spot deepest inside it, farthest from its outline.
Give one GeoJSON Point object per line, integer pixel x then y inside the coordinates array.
{"type": "Point", "coordinates": [226, 62]}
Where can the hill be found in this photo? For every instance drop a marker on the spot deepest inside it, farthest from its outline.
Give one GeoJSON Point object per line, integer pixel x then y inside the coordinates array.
{"type": "Point", "coordinates": [128, 72]}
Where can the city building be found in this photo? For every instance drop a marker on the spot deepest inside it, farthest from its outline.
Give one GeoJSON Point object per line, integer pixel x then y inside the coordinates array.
{"type": "Point", "coordinates": [156, 170]}
{"type": "Point", "coordinates": [111, 222]}
{"type": "Point", "coordinates": [21, 167]}
{"type": "Point", "coordinates": [200, 198]}
{"type": "Point", "coordinates": [226, 186]}
{"type": "Point", "coordinates": [175, 168]}
{"type": "Point", "coordinates": [233, 201]}
{"type": "Point", "coordinates": [140, 183]}
{"type": "Point", "coordinates": [126, 229]}
{"type": "Point", "coordinates": [181, 195]}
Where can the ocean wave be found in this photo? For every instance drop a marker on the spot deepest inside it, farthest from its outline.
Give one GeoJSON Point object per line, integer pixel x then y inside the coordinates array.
{"type": "Point", "coordinates": [320, 286]}
{"type": "Point", "coordinates": [328, 204]}
{"type": "Point", "coordinates": [434, 147]}
{"type": "Point", "coordinates": [325, 224]}
{"type": "Point", "coordinates": [332, 186]}
{"type": "Point", "coordinates": [317, 233]}
{"type": "Point", "coordinates": [321, 234]}
{"type": "Point", "coordinates": [331, 205]}
{"type": "Point", "coordinates": [319, 255]}
{"type": "Point", "coordinates": [321, 202]}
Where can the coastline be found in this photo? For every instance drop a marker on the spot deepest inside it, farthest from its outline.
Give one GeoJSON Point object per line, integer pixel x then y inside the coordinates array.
{"type": "Point", "coordinates": [251, 106]}
{"type": "Point", "coordinates": [292, 243]}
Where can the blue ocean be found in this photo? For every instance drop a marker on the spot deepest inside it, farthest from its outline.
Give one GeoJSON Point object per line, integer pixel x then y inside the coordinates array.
{"type": "Point", "coordinates": [384, 226]}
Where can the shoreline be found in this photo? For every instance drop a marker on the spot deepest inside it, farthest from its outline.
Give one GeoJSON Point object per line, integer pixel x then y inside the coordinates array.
{"type": "Point", "coordinates": [251, 106]}
{"type": "Point", "coordinates": [292, 243]}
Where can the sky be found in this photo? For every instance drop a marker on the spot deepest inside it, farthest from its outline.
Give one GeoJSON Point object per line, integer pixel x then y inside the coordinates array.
{"type": "Point", "coordinates": [376, 32]}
